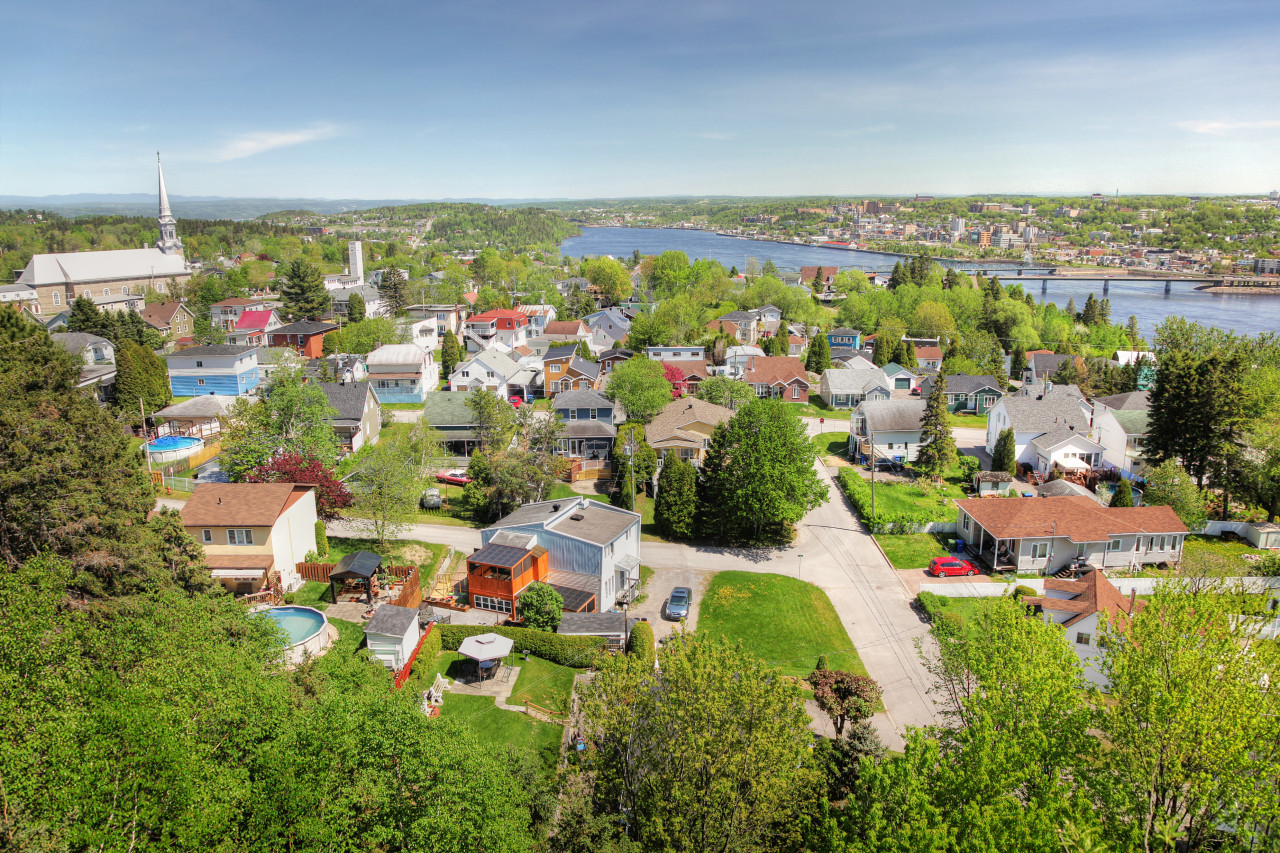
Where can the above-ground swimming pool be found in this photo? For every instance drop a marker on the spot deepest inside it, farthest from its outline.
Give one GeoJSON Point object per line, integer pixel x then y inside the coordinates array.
{"type": "Point", "coordinates": [306, 627]}
{"type": "Point", "coordinates": [172, 447]}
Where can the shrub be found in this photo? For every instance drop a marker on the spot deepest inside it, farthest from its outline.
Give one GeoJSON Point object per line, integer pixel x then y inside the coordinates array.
{"type": "Point", "coordinates": [969, 465]}
{"type": "Point", "coordinates": [540, 606]}
{"type": "Point", "coordinates": [1021, 591]}
{"type": "Point", "coordinates": [431, 646]}
{"type": "Point", "coordinates": [822, 661]}
{"type": "Point", "coordinates": [564, 650]}
{"type": "Point", "coordinates": [290, 598]}
{"type": "Point", "coordinates": [932, 605]}
{"type": "Point", "coordinates": [322, 540]}
{"type": "Point", "coordinates": [641, 643]}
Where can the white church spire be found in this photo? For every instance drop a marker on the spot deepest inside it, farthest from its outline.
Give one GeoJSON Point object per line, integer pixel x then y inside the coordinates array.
{"type": "Point", "coordinates": [168, 242]}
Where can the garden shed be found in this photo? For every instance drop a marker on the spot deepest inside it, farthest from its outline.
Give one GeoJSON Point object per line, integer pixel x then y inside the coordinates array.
{"type": "Point", "coordinates": [360, 568]}
{"type": "Point", "coordinates": [392, 634]}
{"type": "Point", "coordinates": [992, 483]}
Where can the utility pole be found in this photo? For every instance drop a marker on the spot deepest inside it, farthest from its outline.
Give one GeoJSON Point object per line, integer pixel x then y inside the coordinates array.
{"type": "Point", "coordinates": [872, 436]}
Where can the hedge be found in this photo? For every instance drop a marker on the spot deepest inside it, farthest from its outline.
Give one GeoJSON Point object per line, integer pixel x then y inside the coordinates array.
{"type": "Point", "coordinates": [858, 491]}
{"type": "Point", "coordinates": [432, 645]}
{"type": "Point", "coordinates": [1021, 591]}
{"type": "Point", "coordinates": [322, 540]}
{"type": "Point", "coordinates": [564, 650]}
{"type": "Point", "coordinates": [641, 643]}
{"type": "Point", "coordinates": [933, 605]}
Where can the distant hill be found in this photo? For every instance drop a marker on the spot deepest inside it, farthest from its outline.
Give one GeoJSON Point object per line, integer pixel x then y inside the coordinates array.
{"type": "Point", "coordinates": [208, 207]}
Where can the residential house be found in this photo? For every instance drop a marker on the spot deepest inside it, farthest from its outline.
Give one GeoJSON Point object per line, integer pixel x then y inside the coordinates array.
{"type": "Point", "coordinates": [1049, 431]}
{"type": "Point", "coordinates": [491, 370]}
{"type": "Point", "coordinates": [1041, 366]}
{"type": "Point", "coordinates": [171, 319]}
{"type": "Point", "coordinates": [971, 394]}
{"type": "Point", "coordinates": [359, 415]}
{"type": "Point", "coordinates": [851, 358]}
{"type": "Point", "coordinates": [675, 353]}
{"type": "Point", "coordinates": [401, 373]}
{"type": "Point", "coordinates": [539, 317]}
{"type": "Point", "coordinates": [340, 300]}
{"type": "Point", "coordinates": [778, 376]}
{"type": "Point", "coordinates": [1079, 606]}
{"type": "Point", "coordinates": [795, 345]}
{"type": "Point", "coordinates": [825, 276]}
{"type": "Point", "coordinates": [392, 634]}
{"type": "Point", "coordinates": [591, 552]}
{"type": "Point", "coordinates": [566, 331]}
{"type": "Point", "coordinates": [225, 314]}
{"type": "Point", "coordinates": [563, 369]}
{"type": "Point", "coordinates": [97, 362]}
{"type": "Point", "coordinates": [590, 424]}
{"type": "Point", "coordinates": [929, 357]}
{"type": "Point", "coordinates": [225, 369]}
{"type": "Point", "coordinates": [692, 372]}
{"type": "Point", "coordinates": [253, 534]}
{"type": "Point", "coordinates": [851, 338]}
{"type": "Point", "coordinates": [503, 326]}
{"type": "Point", "coordinates": [339, 367]}
{"type": "Point", "coordinates": [1045, 535]}
{"type": "Point", "coordinates": [611, 358]}
{"type": "Point", "coordinates": [449, 413]}
{"type": "Point", "coordinates": [609, 327]}
{"type": "Point", "coordinates": [903, 378]}
{"type": "Point", "coordinates": [1120, 426]}
{"type": "Point", "coordinates": [749, 325]}
{"type": "Point", "coordinates": [1146, 365]}
{"type": "Point", "coordinates": [684, 427]}
{"type": "Point", "coordinates": [449, 318]}
{"type": "Point", "coordinates": [252, 328]}
{"type": "Point", "coordinates": [305, 337]}
{"type": "Point", "coordinates": [886, 429]}
{"type": "Point", "coordinates": [200, 416]}
{"type": "Point", "coordinates": [845, 388]}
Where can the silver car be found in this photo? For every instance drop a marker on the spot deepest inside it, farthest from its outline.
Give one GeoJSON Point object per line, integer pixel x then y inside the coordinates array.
{"type": "Point", "coordinates": [678, 603]}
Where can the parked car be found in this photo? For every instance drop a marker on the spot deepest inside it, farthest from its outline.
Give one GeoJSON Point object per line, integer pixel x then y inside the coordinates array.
{"type": "Point", "coordinates": [515, 401]}
{"type": "Point", "coordinates": [453, 478]}
{"type": "Point", "coordinates": [942, 567]}
{"type": "Point", "coordinates": [915, 392]}
{"type": "Point", "coordinates": [678, 603]}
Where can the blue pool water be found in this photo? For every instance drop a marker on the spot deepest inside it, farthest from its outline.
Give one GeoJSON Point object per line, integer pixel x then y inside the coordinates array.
{"type": "Point", "coordinates": [300, 623]}
{"type": "Point", "coordinates": [172, 442]}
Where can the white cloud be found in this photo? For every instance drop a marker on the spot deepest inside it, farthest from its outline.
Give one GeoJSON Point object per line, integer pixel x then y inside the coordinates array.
{"type": "Point", "coordinates": [1218, 128]}
{"type": "Point", "coordinates": [249, 144]}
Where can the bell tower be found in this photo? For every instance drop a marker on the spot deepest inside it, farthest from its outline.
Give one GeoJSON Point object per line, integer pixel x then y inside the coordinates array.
{"type": "Point", "coordinates": [168, 242]}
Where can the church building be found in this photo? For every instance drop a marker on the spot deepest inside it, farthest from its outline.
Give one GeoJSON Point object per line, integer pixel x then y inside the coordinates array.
{"type": "Point", "coordinates": [115, 280]}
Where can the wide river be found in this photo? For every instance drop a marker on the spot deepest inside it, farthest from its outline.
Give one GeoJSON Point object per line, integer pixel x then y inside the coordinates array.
{"type": "Point", "coordinates": [1247, 314]}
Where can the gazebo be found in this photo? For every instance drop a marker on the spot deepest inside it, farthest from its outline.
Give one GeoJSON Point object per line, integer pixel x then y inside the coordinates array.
{"type": "Point", "coordinates": [359, 566]}
{"type": "Point", "coordinates": [487, 650]}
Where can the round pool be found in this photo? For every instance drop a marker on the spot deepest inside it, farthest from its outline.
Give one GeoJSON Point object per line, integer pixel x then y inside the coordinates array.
{"type": "Point", "coordinates": [306, 627]}
{"type": "Point", "coordinates": [172, 447]}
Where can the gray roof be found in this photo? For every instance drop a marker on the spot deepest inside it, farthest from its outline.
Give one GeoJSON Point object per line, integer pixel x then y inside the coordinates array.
{"type": "Point", "coordinates": [1132, 401]}
{"type": "Point", "coordinates": [447, 408]}
{"type": "Point", "coordinates": [845, 380]}
{"type": "Point", "coordinates": [589, 429]}
{"type": "Point", "coordinates": [1044, 365]}
{"type": "Point", "coordinates": [993, 477]}
{"type": "Point", "coordinates": [1061, 489]}
{"type": "Point", "coordinates": [596, 523]}
{"type": "Point", "coordinates": [1133, 421]}
{"type": "Point", "coordinates": [893, 415]}
{"type": "Point", "coordinates": [586, 368]}
{"type": "Point", "coordinates": [893, 369]}
{"type": "Point", "coordinates": [617, 352]}
{"type": "Point", "coordinates": [391, 620]}
{"type": "Point", "coordinates": [844, 333]}
{"type": "Point", "coordinates": [1056, 412]}
{"type": "Point", "coordinates": [208, 406]}
{"type": "Point", "coordinates": [963, 383]}
{"type": "Point", "coordinates": [76, 342]}
{"type": "Point", "coordinates": [593, 624]}
{"type": "Point", "coordinates": [349, 399]}
{"type": "Point", "coordinates": [502, 363]}
{"type": "Point", "coordinates": [304, 327]}
{"type": "Point", "coordinates": [584, 399]}
{"type": "Point", "coordinates": [562, 351]}
{"type": "Point", "coordinates": [210, 350]}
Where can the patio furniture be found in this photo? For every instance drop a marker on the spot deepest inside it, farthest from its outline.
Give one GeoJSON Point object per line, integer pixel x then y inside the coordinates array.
{"type": "Point", "coordinates": [485, 648]}
{"type": "Point", "coordinates": [359, 569]}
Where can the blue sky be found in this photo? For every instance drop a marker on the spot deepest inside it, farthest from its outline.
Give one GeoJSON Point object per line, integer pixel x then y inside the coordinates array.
{"type": "Point", "coordinates": [606, 99]}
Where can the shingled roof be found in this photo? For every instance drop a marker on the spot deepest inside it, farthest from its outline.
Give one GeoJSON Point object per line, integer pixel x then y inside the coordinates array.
{"type": "Point", "coordinates": [1079, 519]}
{"type": "Point", "coordinates": [1092, 593]}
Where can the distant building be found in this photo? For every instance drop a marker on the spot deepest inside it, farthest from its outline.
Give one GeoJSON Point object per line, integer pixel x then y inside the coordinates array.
{"type": "Point", "coordinates": [224, 369]}
{"type": "Point", "coordinates": [98, 362]}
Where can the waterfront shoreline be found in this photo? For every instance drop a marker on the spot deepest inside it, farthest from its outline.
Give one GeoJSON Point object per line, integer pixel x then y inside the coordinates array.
{"type": "Point", "coordinates": [1243, 290]}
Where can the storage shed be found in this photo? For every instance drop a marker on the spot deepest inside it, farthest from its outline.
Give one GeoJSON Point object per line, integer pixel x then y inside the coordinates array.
{"type": "Point", "coordinates": [392, 634]}
{"type": "Point", "coordinates": [992, 483]}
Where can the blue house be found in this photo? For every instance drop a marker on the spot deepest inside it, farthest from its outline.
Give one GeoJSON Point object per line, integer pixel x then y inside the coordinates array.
{"type": "Point", "coordinates": [844, 338]}
{"type": "Point", "coordinates": [590, 424]}
{"type": "Point", "coordinates": [229, 371]}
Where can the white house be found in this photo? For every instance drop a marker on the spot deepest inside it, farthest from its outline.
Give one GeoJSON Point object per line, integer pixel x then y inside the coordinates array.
{"type": "Point", "coordinates": [392, 634]}
{"type": "Point", "coordinates": [98, 362]}
{"type": "Point", "coordinates": [539, 316]}
{"type": "Point", "coordinates": [492, 369]}
{"type": "Point", "coordinates": [402, 373]}
{"type": "Point", "coordinates": [1078, 606]}
{"type": "Point", "coordinates": [889, 427]}
{"type": "Point", "coordinates": [1121, 433]}
{"type": "Point", "coordinates": [672, 353]}
{"type": "Point", "coordinates": [1048, 430]}
{"type": "Point", "coordinates": [845, 388]}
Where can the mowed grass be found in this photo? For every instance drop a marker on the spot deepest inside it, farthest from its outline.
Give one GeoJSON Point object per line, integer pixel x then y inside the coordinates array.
{"type": "Point", "coordinates": [816, 408]}
{"type": "Point", "coordinates": [543, 683]}
{"type": "Point", "coordinates": [968, 609]}
{"type": "Point", "coordinates": [781, 620]}
{"type": "Point", "coordinates": [313, 594]}
{"type": "Point", "coordinates": [832, 443]}
{"type": "Point", "coordinates": [972, 421]}
{"type": "Point", "coordinates": [911, 551]}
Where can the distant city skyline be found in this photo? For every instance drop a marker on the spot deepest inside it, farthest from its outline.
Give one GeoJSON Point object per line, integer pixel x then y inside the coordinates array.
{"type": "Point", "coordinates": [570, 100]}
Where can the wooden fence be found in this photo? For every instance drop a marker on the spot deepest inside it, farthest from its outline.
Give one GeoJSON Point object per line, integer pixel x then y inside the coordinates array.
{"type": "Point", "coordinates": [411, 593]}
{"type": "Point", "coordinates": [320, 571]}
{"type": "Point", "coordinates": [545, 714]}
{"type": "Point", "coordinates": [403, 675]}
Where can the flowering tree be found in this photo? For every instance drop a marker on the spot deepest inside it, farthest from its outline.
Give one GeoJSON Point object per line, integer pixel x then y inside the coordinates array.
{"type": "Point", "coordinates": [331, 494]}
{"type": "Point", "coordinates": [844, 696]}
{"type": "Point", "coordinates": [675, 376]}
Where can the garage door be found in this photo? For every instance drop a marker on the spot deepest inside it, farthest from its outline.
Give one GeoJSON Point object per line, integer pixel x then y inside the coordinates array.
{"type": "Point", "coordinates": [902, 383]}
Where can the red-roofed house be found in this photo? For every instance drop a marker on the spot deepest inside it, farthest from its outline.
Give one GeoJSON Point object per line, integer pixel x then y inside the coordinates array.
{"type": "Point", "coordinates": [777, 376]}
{"type": "Point", "coordinates": [807, 275]}
{"type": "Point", "coordinates": [929, 357]}
{"type": "Point", "coordinates": [1078, 605]}
{"type": "Point", "coordinates": [225, 314]}
{"type": "Point", "coordinates": [1044, 535]}
{"type": "Point", "coordinates": [501, 325]}
{"type": "Point", "coordinates": [252, 328]}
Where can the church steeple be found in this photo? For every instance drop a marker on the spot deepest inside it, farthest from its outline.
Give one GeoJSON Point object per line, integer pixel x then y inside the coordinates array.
{"type": "Point", "coordinates": [168, 242]}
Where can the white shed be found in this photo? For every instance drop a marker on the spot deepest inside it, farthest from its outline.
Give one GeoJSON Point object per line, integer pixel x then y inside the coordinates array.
{"type": "Point", "coordinates": [392, 634]}
{"type": "Point", "coordinates": [992, 483]}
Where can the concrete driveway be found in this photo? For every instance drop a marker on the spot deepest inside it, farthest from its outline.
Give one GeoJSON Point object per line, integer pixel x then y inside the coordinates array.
{"type": "Point", "coordinates": [659, 589]}
{"type": "Point", "coordinates": [972, 441]}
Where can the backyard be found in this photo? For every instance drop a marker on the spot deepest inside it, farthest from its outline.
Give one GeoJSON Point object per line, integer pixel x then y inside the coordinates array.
{"type": "Point", "coordinates": [971, 421]}
{"type": "Point", "coordinates": [400, 552]}
{"type": "Point", "coordinates": [784, 621]}
{"type": "Point", "coordinates": [817, 408]}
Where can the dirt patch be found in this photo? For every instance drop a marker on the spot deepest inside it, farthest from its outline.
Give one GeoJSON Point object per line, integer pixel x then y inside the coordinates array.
{"type": "Point", "coordinates": [417, 555]}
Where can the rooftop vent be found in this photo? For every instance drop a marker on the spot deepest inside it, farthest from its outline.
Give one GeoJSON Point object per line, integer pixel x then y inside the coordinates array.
{"type": "Point", "coordinates": [555, 507]}
{"type": "Point", "coordinates": [577, 516]}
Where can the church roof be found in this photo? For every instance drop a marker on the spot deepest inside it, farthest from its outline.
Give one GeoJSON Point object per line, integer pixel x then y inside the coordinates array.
{"type": "Point", "coordinates": [90, 267]}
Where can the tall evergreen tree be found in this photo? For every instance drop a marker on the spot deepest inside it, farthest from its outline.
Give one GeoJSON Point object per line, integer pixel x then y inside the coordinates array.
{"type": "Point", "coordinates": [1017, 361]}
{"type": "Point", "coordinates": [355, 308]}
{"type": "Point", "coordinates": [450, 353]}
{"type": "Point", "coordinates": [85, 317]}
{"type": "Point", "coordinates": [882, 352]}
{"type": "Point", "coordinates": [937, 451]}
{"type": "Point", "coordinates": [676, 508]}
{"type": "Point", "coordinates": [302, 291]}
{"type": "Point", "coordinates": [1089, 316]}
{"type": "Point", "coordinates": [1004, 456]}
{"type": "Point", "coordinates": [1123, 495]}
{"type": "Point", "coordinates": [394, 291]}
{"type": "Point", "coordinates": [901, 275]}
{"type": "Point", "coordinates": [909, 355]}
{"type": "Point", "coordinates": [818, 359]}
{"type": "Point", "coordinates": [141, 375]}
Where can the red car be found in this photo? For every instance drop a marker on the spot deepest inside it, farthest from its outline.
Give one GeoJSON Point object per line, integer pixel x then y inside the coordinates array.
{"type": "Point", "coordinates": [915, 392]}
{"type": "Point", "coordinates": [515, 401]}
{"type": "Point", "coordinates": [942, 567]}
{"type": "Point", "coordinates": [453, 479]}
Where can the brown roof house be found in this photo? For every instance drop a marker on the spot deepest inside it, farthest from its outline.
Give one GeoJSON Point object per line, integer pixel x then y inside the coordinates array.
{"type": "Point", "coordinates": [1044, 535]}
{"type": "Point", "coordinates": [684, 427]}
{"type": "Point", "coordinates": [254, 534]}
{"type": "Point", "coordinates": [171, 319]}
{"type": "Point", "coordinates": [1079, 606]}
{"type": "Point", "coordinates": [778, 376]}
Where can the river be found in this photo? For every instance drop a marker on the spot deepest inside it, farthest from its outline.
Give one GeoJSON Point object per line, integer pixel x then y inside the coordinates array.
{"type": "Point", "coordinates": [1246, 314]}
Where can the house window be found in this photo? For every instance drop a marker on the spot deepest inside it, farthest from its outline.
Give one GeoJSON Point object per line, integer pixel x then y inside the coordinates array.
{"type": "Point", "coordinates": [106, 291]}
{"type": "Point", "coordinates": [236, 536]}
{"type": "Point", "coordinates": [891, 445]}
{"type": "Point", "coordinates": [1114, 545]}
{"type": "Point", "coordinates": [57, 298]}
{"type": "Point", "coordinates": [964, 522]}
{"type": "Point", "coordinates": [124, 289]}
{"type": "Point", "coordinates": [593, 414]}
{"type": "Point", "coordinates": [1083, 638]}
{"type": "Point", "coordinates": [1080, 550]}
{"type": "Point", "coordinates": [206, 536]}
{"type": "Point", "coordinates": [199, 381]}
{"type": "Point", "coordinates": [573, 414]}
{"type": "Point", "coordinates": [1156, 544]}
{"type": "Point", "coordinates": [795, 392]}
{"type": "Point", "coordinates": [1039, 550]}
{"type": "Point", "coordinates": [500, 605]}
{"type": "Point", "coordinates": [199, 363]}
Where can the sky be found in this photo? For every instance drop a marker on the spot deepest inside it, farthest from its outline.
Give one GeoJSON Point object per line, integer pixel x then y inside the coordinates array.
{"type": "Point", "coordinates": [563, 99]}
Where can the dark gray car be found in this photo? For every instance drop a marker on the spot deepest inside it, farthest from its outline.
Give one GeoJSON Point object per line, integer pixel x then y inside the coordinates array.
{"type": "Point", "coordinates": [678, 603]}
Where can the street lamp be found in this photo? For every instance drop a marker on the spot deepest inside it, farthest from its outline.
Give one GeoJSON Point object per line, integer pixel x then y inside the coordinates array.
{"type": "Point", "coordinates": [799, 566]}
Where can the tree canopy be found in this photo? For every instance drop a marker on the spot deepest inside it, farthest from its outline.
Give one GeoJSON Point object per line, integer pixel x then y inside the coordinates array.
{"type": "Point", "coordinates": [640, 387]}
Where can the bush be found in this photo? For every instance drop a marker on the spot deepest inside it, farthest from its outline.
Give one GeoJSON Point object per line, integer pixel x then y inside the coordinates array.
{"type": "Point", "coordinates": [933, 605]}
{"type": "Point", "coordinates": [566, 651]}
{"type": "Point", "coordinates": [858, 491]}
{"type": "Point", "coordinates": [1021, 591]}
{"type": "Point", "coordinates": [969, 465]}
{"type": "Point", "coordinates": [290, 598]}
{"type": "Point", "coordinates": [822, 659]}
{"type": "Point", "coordinates": [641, 643]}
{"type": "Point", "coordinates": [431, 646]}
{"type": "Point", "coordinates": [322, 540]}
{"type": "Point", "coordinates": [540, 606]}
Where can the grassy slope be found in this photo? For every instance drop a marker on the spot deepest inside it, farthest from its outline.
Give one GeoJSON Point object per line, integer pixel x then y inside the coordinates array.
{"type": "Point", "coordinates": [911, 551]}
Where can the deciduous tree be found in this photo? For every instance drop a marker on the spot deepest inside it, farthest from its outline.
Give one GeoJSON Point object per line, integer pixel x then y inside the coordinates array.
{"type": "Point", "coordinates": [723, 391]}
{"type": "Point", "coordinates": [332, 496]}
{"type": "Point", "coordinates": [638, 385]}
{"type": "Point", "coordinates": [1169, 484]}
{"type": "Point", "coordinates": [844, 697]}
{"type": "Point", "coordinates": [540, 606]}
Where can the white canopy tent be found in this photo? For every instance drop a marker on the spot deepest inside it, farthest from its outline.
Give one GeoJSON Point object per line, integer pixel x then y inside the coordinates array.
{"type": "Point", "coordinates": [487, 650]}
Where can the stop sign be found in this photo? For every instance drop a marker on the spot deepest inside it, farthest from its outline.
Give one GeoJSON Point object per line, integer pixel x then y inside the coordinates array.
{"type": "Point", "coordinates": [822, 420]}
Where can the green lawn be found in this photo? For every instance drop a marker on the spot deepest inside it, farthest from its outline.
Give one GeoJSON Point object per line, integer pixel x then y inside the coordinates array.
{"type": "Point", "coordinates": [907, 497]}
{"type": "Point", "coordinates": [978, 421]}
{"type": "Point", "coordinates": [425, 555]}
{"type": "Point", "coordinates": [968, 609]}
{"type": "Point", "coordinates": [402, 407]}
{"type": "Point", "coordinates": [1215, 547]}
{"type": "Point", "coordinates": [817, 408]}
{"type": "Point", "coordinates": [832, 443]}
{"type": "Point", "coordinates": [784, 621]}
{"type": "Point", "coordinates": [543, 683]}
{"type": "Point", "coordinates": [911, 551]}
